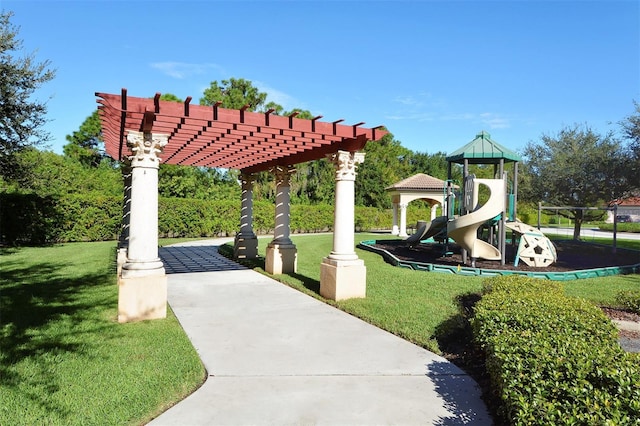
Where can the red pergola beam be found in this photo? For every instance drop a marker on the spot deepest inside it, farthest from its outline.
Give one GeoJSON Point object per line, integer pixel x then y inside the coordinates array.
{"type": "Point", "coordinates": [218, 137]}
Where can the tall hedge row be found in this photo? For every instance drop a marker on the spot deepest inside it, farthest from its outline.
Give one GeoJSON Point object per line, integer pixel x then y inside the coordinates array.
{"type": "Point", "coordinates": [34, 220]}
{"type": "Point", "coordinates": [553, 359]}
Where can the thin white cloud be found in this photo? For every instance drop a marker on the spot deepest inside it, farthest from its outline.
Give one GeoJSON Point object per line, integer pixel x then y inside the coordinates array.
{"type": "Point", "coordinates": [495, 121]}
{"type": "Point", "coordinates": [288, 102]}
{"type": "Point", "coordinates": [182, 70]}
{"type": "Point", "coordinates": [491, 120]}
{"type": "Point", "coordinates": [463, 116]}
{"type": "Point", "coordinates": [415, 116]}
{"type": "Point", "coordinates": [408, 101]}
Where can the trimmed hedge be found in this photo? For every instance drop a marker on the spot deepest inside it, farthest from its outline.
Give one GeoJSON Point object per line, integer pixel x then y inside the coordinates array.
{"type": "Point", "coordinates": [553, 359]}
{"type": "Point", "coordinates": [28, 219]}
{"type": "Point", "coordinates": [31, 219]}
{"type": "Point", "coordinates": [620, 227]}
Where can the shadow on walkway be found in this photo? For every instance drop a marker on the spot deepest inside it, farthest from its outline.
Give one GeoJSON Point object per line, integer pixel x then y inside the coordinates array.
{"type": "Point", "coordinates": [188, 259]}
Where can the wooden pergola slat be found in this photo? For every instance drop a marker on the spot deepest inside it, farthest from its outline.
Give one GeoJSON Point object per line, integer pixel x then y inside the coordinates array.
{"type": "Point", "coordinates": [212, 136]}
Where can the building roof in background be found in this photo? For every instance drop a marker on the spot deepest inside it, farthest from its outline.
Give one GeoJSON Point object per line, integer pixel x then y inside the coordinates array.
{"type": "Point", "coordinates": [418, 182]}
{"type": "Point", "coordinates": [628, 201]}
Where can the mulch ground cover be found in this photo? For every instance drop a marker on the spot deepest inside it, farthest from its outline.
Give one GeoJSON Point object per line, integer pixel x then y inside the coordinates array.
{"type": "Point", "coordinates": [572, 256]}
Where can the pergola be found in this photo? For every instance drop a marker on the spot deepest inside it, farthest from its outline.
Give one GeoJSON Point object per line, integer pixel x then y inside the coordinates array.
{"type": "Point", "coordinates": [142, 132]}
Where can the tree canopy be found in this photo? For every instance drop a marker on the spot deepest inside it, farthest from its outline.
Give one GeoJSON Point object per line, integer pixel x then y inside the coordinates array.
{"type": "Point", "coordinates": [85, 144]}
{"type": "Point", "coordinates": [234, 93]}
{"type": "Point", "coordinates": [577, 167]}
{"type": "Point", "coordinates": [21, 116]}
{"type": "Point", "coordinates": [631, 132]}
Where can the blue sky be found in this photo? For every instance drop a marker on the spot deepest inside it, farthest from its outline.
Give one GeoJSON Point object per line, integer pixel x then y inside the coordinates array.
{"type": "Point", "coordinates": [434, 72]}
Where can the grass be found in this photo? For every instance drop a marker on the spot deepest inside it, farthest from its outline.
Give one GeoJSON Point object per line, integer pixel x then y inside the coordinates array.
{"type": "Point", "coordinates": [65, 360]}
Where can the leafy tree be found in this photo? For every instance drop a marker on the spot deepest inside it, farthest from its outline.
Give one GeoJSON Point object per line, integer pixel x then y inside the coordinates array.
{"type": "Point", "coordinates": [86, 144]}
{"type": "Point", "coordinates": [170, 97]}
{"type": "Point", "coordinates": [432, 164]}
{"type": "Point", "coordinates": [576, 168]}
{"type": "Point", "coordinates": [21, 116]}
{"type": "Point", "coordinates": [234, 93]}
{"type": "Point", "coordinates": [386, 162]}
{"type": "Point", "coordinates": [318, 177]}
{"type": "Point", "coordinates": [631, 132]}
{"type": "Point", "coordinates": [196, 182]}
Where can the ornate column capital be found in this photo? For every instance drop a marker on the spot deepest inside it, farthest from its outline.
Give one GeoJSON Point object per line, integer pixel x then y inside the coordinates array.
{"type": "Point", "coordinates": [146, 148]}
{"type": "Point", "coordinates": [283, 174]}
{"type": "Point", "coordinates": [346, 163]}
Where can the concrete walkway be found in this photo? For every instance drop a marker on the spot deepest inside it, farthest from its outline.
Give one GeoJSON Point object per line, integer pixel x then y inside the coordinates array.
{"type": "Point", "coordinates": [275, 356]}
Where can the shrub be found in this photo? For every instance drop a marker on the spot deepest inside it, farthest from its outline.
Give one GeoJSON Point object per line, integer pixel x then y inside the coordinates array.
{"type": "Point", "coordinates": [629, 300]}
{"type": "Point", "coordinates": [89, 217]}
{"type": "Point", "coordinates": [554, 359]}
{"type": "Point", "coordinates": [29, 219]}
{"type": "Point", "coordinates": [621, 227]}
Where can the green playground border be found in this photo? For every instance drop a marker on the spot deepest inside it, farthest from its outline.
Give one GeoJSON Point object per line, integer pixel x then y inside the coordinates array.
{"type": "Point", "coordinates": [469, 271]}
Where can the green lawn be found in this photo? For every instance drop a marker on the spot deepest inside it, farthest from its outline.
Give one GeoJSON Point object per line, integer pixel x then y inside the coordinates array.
{"type": "Point", "coordinates": [64, 359]}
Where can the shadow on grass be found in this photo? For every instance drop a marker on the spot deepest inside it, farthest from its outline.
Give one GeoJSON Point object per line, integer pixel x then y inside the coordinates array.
{"type": "Point", "coordinates": [40, 314]}
{"type": "Point", "coordinates": [309, 283]}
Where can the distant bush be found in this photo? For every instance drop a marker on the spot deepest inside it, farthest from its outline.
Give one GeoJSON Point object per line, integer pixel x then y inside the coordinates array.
{"type": "Point", "coordinates": [554, 359]}
{"type": "Point", "coordinates": [629, 300]}
{"type": "Point", "coordinates": [621, 227]}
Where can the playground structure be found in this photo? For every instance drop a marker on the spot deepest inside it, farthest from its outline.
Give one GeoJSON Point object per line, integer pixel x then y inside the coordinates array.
{"type": "Point", "coordinates": [480, 228]}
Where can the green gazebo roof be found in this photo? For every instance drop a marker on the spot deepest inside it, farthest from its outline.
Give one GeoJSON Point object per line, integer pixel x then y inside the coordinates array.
{"type": "Point", "coordinates": [483, 150]}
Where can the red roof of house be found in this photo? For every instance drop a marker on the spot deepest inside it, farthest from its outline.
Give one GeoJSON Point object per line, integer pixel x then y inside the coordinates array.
{"type": "Point", "coordinates": [629, 201]}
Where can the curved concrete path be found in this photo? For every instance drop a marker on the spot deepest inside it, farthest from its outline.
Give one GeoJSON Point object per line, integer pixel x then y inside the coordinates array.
{"type": "Point", "coordinates": [275, 356]}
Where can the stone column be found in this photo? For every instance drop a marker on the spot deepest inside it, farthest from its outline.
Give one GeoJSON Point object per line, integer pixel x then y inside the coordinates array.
{"type": "Point", "coordinates": [394, 229]}
{"type": "Point", "coordinates": [403, 220]}
{"type": "Point", "coordinates": [142, 292]}
{"type": "Point", "coordinates": [246, 243]}
{"type": "Point", "coordinates": [342, 274]}
{"type": "Point", "coordinates": [282, 256]}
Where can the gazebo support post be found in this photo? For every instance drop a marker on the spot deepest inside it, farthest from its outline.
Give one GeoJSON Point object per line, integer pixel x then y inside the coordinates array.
{"type": "Point", "coordinates": [394, 229]}
{"type": "Point", "coordinates": [342, 274]}
{"type": "Point", "coordinates": [403, 220]}
{"type": "Point", "coordinates": [246, 243]}
{"type": "Point", "coordinates": [142, 285]}
{"type": "Point", "coordinates": [282, 255]}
